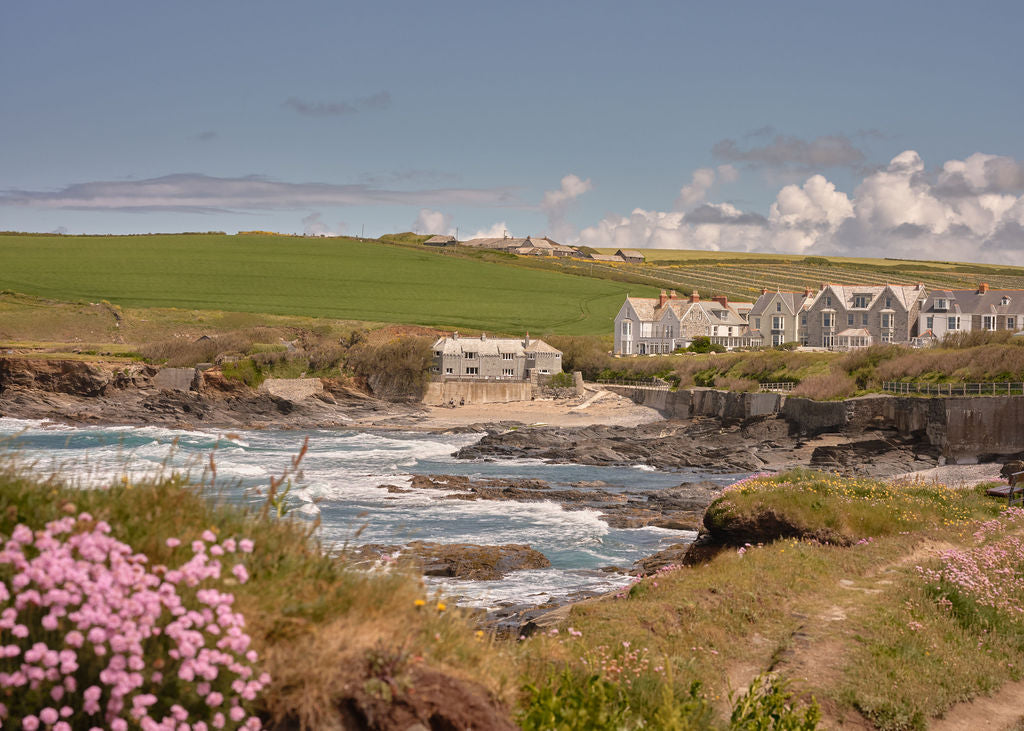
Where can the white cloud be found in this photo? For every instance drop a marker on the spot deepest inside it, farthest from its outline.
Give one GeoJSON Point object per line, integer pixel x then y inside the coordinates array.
{"type": "Point", "coordinates": [966, 211]}
{"type": "Point", "coordinates": [556, 205]}
{"type": "Point", "coordinates": [433, 222]}
{"type": "Point", "coordinates": [696, 191]}
{"type": "Point", "coordinates": [496, 231]}
{"type": "Point", "coordinates": [313, 225]}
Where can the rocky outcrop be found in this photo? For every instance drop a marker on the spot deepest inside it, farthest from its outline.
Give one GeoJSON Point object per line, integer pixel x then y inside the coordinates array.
{"type": "Point", "coordinates": [703, 443]}
{"type": "Point", "coordinates": [458, 560]}
{"type": "Point", "coordinates": [675, 508]}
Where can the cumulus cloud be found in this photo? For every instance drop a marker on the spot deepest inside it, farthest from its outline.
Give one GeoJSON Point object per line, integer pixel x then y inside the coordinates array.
{"type": "Point", "coordinates": [496, 231]}
{"type": "Point", "coordinates": [793, 153]}
{"type": "Point", "coordinates": [695, 192]}
{"type": "Point", "coordinates": [374, 102]}
{"type": "Point", "coordinates": [433, 222]}
{"type": "Point", "coordinates": [196, 193]}
{"type": "Point", "coordinates": [967, 210]}
{"type": "Point", "coordinates": [313, 225]}
{"type": "Point", "coordinates": [557, 203]}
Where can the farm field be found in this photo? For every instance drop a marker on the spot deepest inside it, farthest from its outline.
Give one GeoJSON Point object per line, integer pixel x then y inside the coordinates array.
{"type": "Point", "coordinates": [337, 278]}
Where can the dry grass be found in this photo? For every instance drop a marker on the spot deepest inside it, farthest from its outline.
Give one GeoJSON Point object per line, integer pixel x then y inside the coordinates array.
{"type": "Point", "coordinates": [826, 386]}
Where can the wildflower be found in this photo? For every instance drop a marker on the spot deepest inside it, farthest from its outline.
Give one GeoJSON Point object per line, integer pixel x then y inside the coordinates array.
{"type": "Point", "coordinates": [420, 602]}
{"type": "Point", "coordinates": [173, 542]}
{"type": "Point", "coordinates": [441, 606]}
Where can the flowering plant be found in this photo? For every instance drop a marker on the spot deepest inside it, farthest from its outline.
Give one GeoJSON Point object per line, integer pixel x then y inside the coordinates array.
{"type": "Point", "coordinates": [93, 637]}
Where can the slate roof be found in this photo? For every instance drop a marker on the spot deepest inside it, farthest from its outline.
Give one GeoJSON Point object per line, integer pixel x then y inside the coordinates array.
{"type": "Point", "coordinates": [606, 257]}
{"type": "Point", "coordinates": [792, 303]}
{"type": "Point", "coordinates": [631, 253]}
{"type": "Point", "coordinates": [491, 346]}
{"type": "Point", "coordinates": [971, 302]}
{"type": "Point", "coordinates": [440, 239]}
{"type": "Point", "coordinates": [905, 295]}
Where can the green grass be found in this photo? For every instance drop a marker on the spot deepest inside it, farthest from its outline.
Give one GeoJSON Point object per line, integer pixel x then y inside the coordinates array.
{"type": "Point", "coordinates": [336, 278]}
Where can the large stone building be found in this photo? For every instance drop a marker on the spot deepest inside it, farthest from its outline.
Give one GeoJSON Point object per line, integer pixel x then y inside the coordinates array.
{"type": "Point", "coordinates": [780, 317]}
{"type": "Point", "coordinates": [645, 326]}
{"type": "Point", "coordinates": [542, 246]}
{"type": "Point", "coordinates": [961, 310]}
{"type": "Point", "coordinates": [483, 358]}
{"type": "Point", "coordinates": [860, 315]}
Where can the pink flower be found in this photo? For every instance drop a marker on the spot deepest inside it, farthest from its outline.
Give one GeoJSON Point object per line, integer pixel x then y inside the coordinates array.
{"type": "Point", "coordinates": [30, 723]}
{"type": "Point", "coordinates": [49, 716]}
{"type": "Point", "coordinates": [214, 699]}
{"type": "Point", "coordinates": [209, 537]}
{"type": "Point", "coordinates": [173, 542]}
{"type": "Point", "coordinates": [245, 545]}
{"type": "Point", "coordinates": [240, 573]}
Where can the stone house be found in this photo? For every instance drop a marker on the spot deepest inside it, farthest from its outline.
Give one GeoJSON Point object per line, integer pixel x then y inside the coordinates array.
{"type": "Point", "coordinates": [542, 246]}
{"type": "Point", "coordinates": [645, 325]}
{"type": "Point", "coordinates": [779, 317]}
{"type": "Point", "coordinates": [483, 358]}
{"type": "Point", "coordinates": [441, 240]}
{"type": "Point", "coordinates": [851, 316]}
{"type": "Point", "coordinates": [961, 310]}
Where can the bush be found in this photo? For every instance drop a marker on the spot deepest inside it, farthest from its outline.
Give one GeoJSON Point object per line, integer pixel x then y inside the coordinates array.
{"type": "Point", "coordinates": [396, 369]}
{"type": "Point", "coordinates": [562, 380]}
{"type": "Point", "coordinates": [702, 344]}
{"type": "Point", "coordinates": [769, 706]}
{"type": "Point", "coordinates": [826, 386]}
{"type": "Point", "coordinates": [98, 638]}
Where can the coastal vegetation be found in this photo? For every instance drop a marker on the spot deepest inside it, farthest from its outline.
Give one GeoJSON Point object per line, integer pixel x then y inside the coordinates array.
{"type": "Point", "coordinates": [828, 597]}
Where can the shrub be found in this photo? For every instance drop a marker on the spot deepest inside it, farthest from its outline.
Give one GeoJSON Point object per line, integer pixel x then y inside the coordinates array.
{"type": "Point", "coordinates": [769, 706]}
{"type": "Point", "coordinates": [702, 344]}
{"type": "Point", "coordinates": [100, 639]}
{"type": "Point", "coordinates": [396, 369]}
{"type": "Point", "coordinates": [562, 380]}
{"type": "Point", "coordinates": [826, 386]}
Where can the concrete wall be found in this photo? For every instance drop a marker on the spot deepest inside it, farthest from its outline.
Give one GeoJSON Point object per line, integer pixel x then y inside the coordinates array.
{"type": "Point", "coordinates": [176, 379]}
{"type": "Point", "coordinates": [439, 393]}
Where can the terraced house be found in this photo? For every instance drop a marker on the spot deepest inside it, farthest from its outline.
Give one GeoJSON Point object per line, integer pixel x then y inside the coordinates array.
{"type": "Point", "coordinates": [646, 326]}
{"type": "Point", "coordinates": [860, 315]}
{"type": "Point", "coordinates": [781, 317]}
{"type": "Point", "coordinates": [963, 310]}
{"type": "Point", "coordinates": [501, 359]}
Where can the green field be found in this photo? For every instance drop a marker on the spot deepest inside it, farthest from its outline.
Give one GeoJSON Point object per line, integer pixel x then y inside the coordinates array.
{"type": "Point", "coordinates": [335, 278]}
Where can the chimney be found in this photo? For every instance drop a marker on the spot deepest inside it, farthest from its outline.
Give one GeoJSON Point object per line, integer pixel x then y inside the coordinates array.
{"type": "Point", "coordinates": [672, 294]}
{"type": "Point", "coordinates": [824, 284]}
{"type": "Point", "coordinates": [483, 336]}
{"type": "Point", "coordinates": [722, 300]}
{"type": "Point", "coordinates": [694, 296]}
{"type": "Point", "coordinates": [764, 290]}
{"type": "Point", "coordinates": [455, 335]}
{"type": "Point", "coordinates": [983, 288]}
{"type": "Point", "coordinates": [662, 299]}
{"type": "Point", "coordinates": [807, 291]}
{"type": "Point", "coordinates": [526, 342]}
{"type": "Point", "coordinates": [919, 285]}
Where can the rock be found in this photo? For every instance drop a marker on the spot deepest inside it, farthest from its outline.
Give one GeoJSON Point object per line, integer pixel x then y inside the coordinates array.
{"type": "Point", "coordinates": [1010, 468]}
{"type": "Point", "coordinates": [460, 560]}
{"type": "Point", "coordinates": [292, 389]}
{"type": "Point", "coordinates": [674, 555]}
{"type": "Point", "coordinates": [176, 379]}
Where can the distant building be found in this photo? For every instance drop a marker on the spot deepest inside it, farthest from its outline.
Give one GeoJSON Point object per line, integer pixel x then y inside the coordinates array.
{"type": "Point", "coordinates": [645, 326]}
{"type": "Point", "coordinates": [850, 316]}
{"type": "Point", "coordinates": [962, 310]}
{"type": "Point", "coordinates": [483, 358]}
{"type": "Point", "coordinates": [631, 255]}
{"type": "Point", "coordinates": [440, 240]}
{"type": "Point", "coordinates": [542, 246]}
{"type": "Point", "coordinates": [610, 258]}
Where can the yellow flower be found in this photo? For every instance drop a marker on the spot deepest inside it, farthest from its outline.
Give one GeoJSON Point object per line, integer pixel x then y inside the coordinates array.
{"type": "Point", "coordinates": [479, 634]}
{"type": "Point", "coordinates": [420, 602]}
{"type": "Point", "coordinates": [441, 606]}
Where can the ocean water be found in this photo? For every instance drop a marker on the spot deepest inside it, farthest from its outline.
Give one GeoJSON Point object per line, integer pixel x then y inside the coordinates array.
{"type": "Point", "coordinates": [340, 481]}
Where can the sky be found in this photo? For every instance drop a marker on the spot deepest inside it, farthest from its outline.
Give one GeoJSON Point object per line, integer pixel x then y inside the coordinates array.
{"type": "Point", "coordinates": [868, 129]}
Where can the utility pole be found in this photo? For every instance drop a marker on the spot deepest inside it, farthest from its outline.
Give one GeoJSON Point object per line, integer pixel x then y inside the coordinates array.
{"type": "Point", "coordinates": [362, 230]}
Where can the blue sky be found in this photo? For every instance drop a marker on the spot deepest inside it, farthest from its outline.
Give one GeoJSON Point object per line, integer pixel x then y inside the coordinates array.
{"type": "Point", "coordinates": [887, 128]}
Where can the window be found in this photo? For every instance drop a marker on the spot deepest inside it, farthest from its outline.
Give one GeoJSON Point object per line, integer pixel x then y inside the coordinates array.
{"type": "Point", "coordinates": [508, 356]}
{"type": "Point", "coordinates": [777, 339]}
{"type": "Point", "coordinates": [437, 353]}
{"type": "Point", "coordinates": [778, 307]}
{"type": "Point", "coordinates": [827, 319]}
{"type": "Point", "coordinates": [472, 370]}
{"type": "Point", "coordinates": [757, 323]}
{"type": "Point", "coordinates": [860, 301]}
{"type": "Point", "coordinates": [508, 372]}
{"type": "Point", "coordinates": [929, 323]}
{"type": "Point", "coordinates": [627, 328]}
{"type": "Point", "coordinates": [828, 301]}
{"type": "Point", "coordinates": [988, 322]}
{"type": "Point", "coordinates": [941, 304]}
{"type": "Point", "coordinates": [469, 355]}
{"type": "Point", "coordinates": [886, 336]}
{"type": "Point", "coordinates": [849, 318]}
{"type": "Point", "coordinates": [1004, 301]}
{"type": "Point", "coordinates": [886, 320]}
{"type": "Point", "coordinates": [803, 320]}
{"type": "Point", "coordinates": [646, 329]}
{"type": "Point", "coordinates": [864, 319]}
{"type": "Point", "coordinates": [888, 302]}
{"type": "Point", "coordinates": [449, 371]}
{"type": "Point", "coordinates": [952, 323]}
{"type": "Point", "coordinates": [827, 341]}
{"type": "Point", "coordinates": [776, 324]}
{"type": "Point", "coordinates": [1011, 322]}
{"type": "Point", "coordinates": [669, 331]}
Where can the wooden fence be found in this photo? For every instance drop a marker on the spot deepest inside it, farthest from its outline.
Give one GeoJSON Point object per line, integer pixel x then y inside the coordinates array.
{"type": "Point", "coordinates": [1005, 388]}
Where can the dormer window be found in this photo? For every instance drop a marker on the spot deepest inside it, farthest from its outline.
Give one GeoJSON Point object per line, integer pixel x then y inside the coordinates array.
{"type": "Point", "coordinates": [941, 303]}
{"type": "Point", "coordinates": [1004, 301]}
{"type": "Point", "coordinates": [860, 301]}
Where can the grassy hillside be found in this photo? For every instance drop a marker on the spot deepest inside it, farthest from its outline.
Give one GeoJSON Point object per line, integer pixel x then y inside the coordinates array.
{"type": "Point", "coordinates": [336, 278]}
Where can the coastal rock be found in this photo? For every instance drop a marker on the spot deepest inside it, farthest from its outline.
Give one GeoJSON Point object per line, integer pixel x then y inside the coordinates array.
{"type": "Point", "coordinates": [459, 560]}
{"type": "Point", "coordinates": [664, 445]}
{"type": "Point", "coordinates": [58, 376]}
{"type": "Point", "coordinates": [674, 555]}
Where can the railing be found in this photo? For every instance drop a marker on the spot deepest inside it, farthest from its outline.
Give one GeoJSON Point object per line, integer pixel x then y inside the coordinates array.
{"type": "Point", "coordinates": [650, 383]}
{"type": "Point", "coordinates": [788, 386]}
{"type": "Point", "coordinates": [955, 389]}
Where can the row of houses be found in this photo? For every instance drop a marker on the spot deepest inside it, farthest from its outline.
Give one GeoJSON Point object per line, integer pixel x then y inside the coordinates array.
{"type": "Point", "coordinates": [495, 359]}
{"type": "Point", "coordinates": [835, 317]}
{"type": "Point", "coordinates": [541, 246]}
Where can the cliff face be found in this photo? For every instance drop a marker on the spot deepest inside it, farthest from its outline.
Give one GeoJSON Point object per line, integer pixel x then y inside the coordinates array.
{"type": "Point", "coordinates": [962, 429]}
{"type": "Point", "coordinates": [73, 377]}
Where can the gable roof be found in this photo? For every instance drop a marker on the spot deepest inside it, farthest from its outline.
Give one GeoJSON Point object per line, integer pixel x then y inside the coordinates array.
{"type": "Point", "coordinates": [440, 239]}
{"type": "Point", "coordinates": [792, 302]}
{"type": "Point", "coordinates": [903, 294]}
{"type": "Point", "coordinates": [632, 253]}
{"type": "Point", "coordinates": [973, 302]}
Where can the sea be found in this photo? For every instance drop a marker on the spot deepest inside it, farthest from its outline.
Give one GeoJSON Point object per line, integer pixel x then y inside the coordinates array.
{"type": "Point", "coordinates": [340, 482]}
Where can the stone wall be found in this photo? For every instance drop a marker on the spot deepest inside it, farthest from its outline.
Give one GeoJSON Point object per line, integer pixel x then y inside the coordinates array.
{"type": "Point", "coordinates": [964, 429]}
{"type": "Point", "coordinates": [440, 393]}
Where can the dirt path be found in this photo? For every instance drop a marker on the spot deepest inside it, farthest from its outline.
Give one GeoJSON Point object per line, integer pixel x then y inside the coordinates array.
{"type": "Point", "coordinates": [1000, 711]}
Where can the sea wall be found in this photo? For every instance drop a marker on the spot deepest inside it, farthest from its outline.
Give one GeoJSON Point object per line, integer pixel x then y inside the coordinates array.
{"type": "Point", "coordinates": [440, 393]}
{"type": "Point", "coordinates": [962, 428]}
